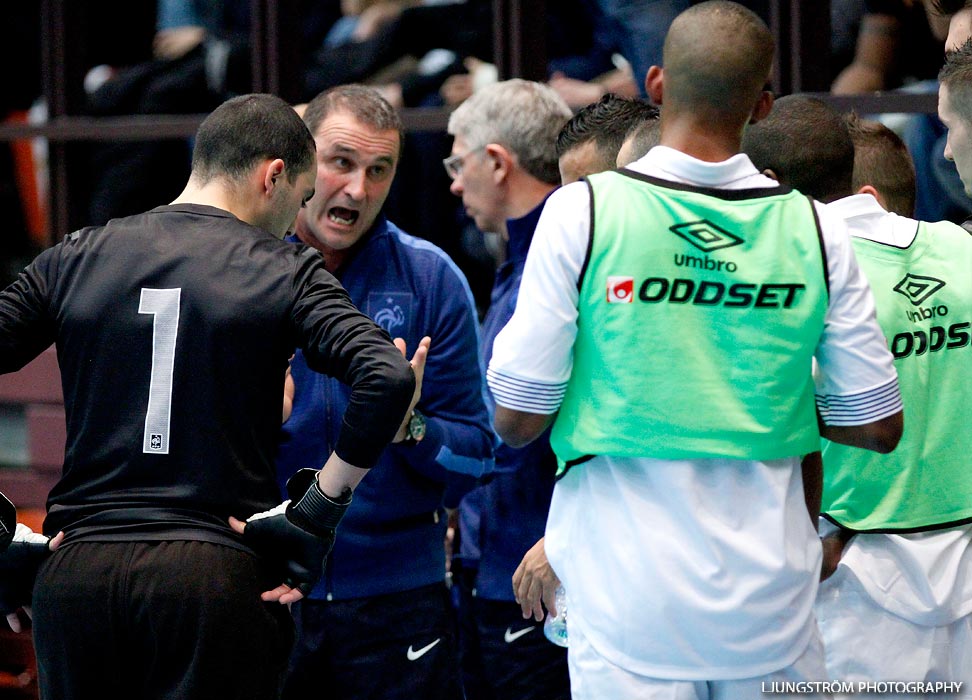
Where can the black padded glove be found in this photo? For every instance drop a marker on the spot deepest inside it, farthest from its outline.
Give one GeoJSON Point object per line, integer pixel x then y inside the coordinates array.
{"type": "Point", "coordinates": [18, 568]}
{"type": "Point", "coordinates": [299, 533]}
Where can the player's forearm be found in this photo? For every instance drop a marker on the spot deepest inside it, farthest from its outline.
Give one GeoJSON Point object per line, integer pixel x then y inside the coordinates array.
{"type": "Point", "coordinates": [337, 475]}
{"type": "Point", "coordinates": [880, 435]}
{"type": "Point", "coordinates": [520, 428]}
{"type": "Point", "coordinates": [378, 403]}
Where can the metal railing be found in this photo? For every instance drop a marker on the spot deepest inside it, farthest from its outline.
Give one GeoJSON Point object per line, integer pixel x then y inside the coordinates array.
{"type": "Point", "coordinates": [801, 28]}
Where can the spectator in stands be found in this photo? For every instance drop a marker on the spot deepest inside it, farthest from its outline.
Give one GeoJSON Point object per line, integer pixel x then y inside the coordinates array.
{"type": "Point", "coordinates": [959, 16]}
{"type": "Point", "coordinates": [407, 29]}
{"type": "Point", "coordinates": [203, 56]}
{"type": "Point", "coordinates": [200, 61]}
{"type": "Point", "coordinates": [895, 45]}
{"type": "Point", "coordinates": [419, 47]}
{"type": "Point", "coordinates": [900, 45]}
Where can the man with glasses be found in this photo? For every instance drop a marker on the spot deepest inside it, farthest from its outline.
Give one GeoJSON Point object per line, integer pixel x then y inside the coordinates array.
{"type": "Point", "coordinates": [504, 165]}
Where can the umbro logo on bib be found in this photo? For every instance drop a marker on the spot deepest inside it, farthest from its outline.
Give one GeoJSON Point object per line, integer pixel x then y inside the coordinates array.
{"type": "Point", "coordinates": [705, 235]}
{"type": "Point", "coordinates": [917, 288]}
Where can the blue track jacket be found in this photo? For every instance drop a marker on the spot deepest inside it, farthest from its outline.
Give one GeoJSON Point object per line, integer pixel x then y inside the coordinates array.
{"type": "Point", "coordinates": [391, 538]}
{"type": "Point", "coordinates": [502, 519]}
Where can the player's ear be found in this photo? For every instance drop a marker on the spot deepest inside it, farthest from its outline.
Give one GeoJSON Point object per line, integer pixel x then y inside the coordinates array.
{"type": "Point", "coordinates": [273, 170]}
{"type": "Point", "coordinates": [763, 106]}
{"type": "Point", "coordinates": [655, 83]}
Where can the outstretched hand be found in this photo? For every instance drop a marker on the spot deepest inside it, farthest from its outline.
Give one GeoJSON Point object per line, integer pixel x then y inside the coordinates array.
{"type": "Point", "coordinates": [418, 368]}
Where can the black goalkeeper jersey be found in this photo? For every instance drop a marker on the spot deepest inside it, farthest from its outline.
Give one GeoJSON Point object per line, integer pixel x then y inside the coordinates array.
{"type": "Point", "coordinates": [173, 331]}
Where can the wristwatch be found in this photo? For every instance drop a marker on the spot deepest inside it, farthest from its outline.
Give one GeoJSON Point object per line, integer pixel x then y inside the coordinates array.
{"type": "Point", "coordinates": [416, 429]}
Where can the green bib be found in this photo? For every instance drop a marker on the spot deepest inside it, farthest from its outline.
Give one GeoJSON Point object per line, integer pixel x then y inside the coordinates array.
{"type": "Point", "coordinates": [699, 313]}
{"type": "Point", "coordinates": [923, 295]}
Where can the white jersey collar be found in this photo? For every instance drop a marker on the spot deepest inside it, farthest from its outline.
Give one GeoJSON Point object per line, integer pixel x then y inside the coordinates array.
{"type": "Point", "coordinates": [737, 172]}
{"type": "Point", "coordinates": [867, 219]}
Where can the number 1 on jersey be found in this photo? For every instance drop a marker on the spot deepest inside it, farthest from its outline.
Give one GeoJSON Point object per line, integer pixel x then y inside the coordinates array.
{"type": "Point", "coordinates": [163, 304]}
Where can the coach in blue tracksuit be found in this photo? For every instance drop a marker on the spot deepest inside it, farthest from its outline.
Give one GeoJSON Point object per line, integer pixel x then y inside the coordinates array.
{"type": "Point", "coordinates": [379, 624]}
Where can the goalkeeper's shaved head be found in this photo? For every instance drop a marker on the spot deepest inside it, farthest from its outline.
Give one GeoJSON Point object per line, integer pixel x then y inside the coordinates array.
{"type": "Point", "coordinates": [717, 59]}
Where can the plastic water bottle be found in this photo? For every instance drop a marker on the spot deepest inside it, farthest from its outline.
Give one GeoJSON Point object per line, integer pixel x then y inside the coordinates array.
{"type": "Point", "coordinates": [555, 626]}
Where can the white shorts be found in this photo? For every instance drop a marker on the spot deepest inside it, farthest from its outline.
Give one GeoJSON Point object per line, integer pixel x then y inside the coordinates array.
{"type": "Point", "coordinates": [592, 677]}
{"type": "Point", "coordinates": [865, 642]}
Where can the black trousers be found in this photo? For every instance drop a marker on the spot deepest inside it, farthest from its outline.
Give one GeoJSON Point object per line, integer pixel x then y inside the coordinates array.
{"type": "Point", "coordinates": [505, 657]}
{"type": "Point", "coordinates": [163, 620]}
{"type": "Point", "coordinates": [400, 646]}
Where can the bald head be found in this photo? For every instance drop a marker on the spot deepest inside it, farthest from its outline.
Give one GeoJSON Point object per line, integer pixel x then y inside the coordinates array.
{"type": "Point", "coordinates": [717, 58]}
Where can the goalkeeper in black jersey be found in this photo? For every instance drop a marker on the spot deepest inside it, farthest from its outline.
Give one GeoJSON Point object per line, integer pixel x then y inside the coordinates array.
{"type": "Point", "coordinates": [173, 331]}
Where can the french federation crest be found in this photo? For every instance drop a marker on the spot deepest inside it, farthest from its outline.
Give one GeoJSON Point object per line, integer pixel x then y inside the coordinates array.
{"type": "Point", "coordinates": [391, 310]}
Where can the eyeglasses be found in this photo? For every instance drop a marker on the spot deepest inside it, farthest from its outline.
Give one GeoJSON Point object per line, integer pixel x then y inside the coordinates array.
{"type": "Point", "coordinates": [453, 164]}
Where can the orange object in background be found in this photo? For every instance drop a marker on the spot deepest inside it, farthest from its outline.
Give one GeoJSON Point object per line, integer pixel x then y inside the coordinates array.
{"type": "Point", "coordinates": [25, 175]}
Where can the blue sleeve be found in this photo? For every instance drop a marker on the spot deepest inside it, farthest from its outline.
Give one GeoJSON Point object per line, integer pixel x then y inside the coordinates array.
{"type": "Point", "coordinates": [176, 13]}
{"type": "Point", "coordinates": [458, 446]}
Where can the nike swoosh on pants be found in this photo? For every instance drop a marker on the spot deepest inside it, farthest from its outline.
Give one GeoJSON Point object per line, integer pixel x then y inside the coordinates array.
{"type": "Point", "coordinates": [510, 636]}
{"type": "Point", "coordinates": [413, 654]}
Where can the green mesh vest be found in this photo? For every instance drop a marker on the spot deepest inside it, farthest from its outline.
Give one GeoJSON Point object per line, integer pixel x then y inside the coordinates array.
{"type": "Point", "coordinates": [924, 305]}
{"type": "Point", "coordinates": [699, 313]}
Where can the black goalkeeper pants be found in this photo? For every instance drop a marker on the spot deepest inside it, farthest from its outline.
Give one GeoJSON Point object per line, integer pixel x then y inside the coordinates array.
{"type": "Point", "coordinates": [157, 621]}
